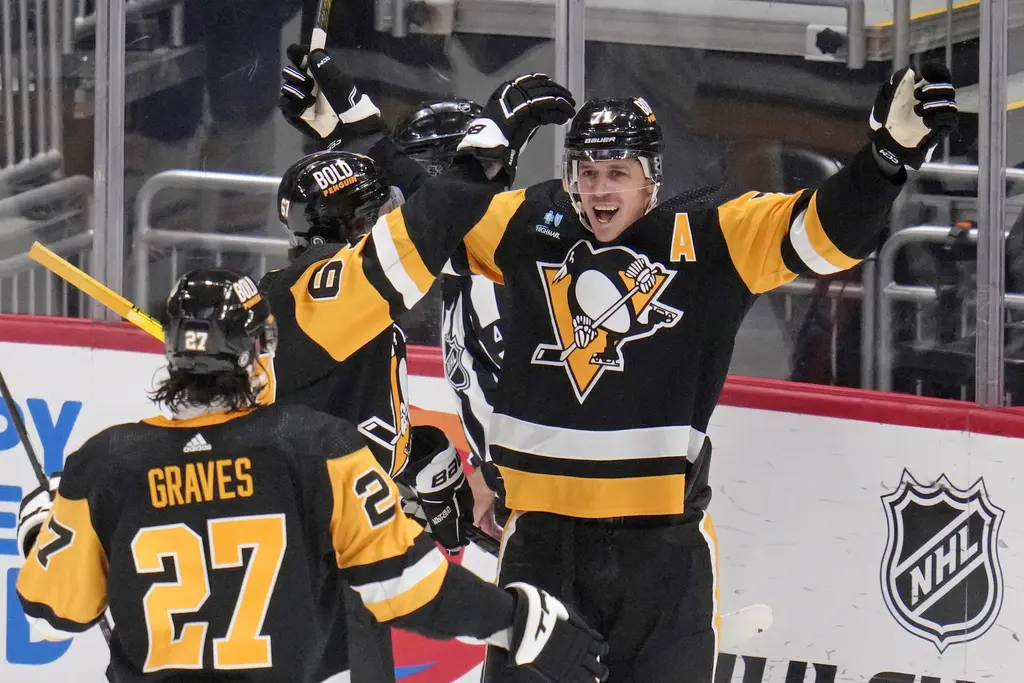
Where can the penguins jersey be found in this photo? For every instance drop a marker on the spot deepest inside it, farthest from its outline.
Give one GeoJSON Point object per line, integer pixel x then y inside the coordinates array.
{"type": "Point", "coordinates": [615, 353]}
{"type": "Point", "coordinates": [218, 542]}
{"type": "Point", "coordinates": [339, 350]}
{"type": "Point", "coordinates": [473, 346]}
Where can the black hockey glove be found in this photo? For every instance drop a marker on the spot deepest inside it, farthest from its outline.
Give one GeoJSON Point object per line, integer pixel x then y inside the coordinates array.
{"type": "Point", "coordinates": [552, 641]}
{"type": "Point", "coordinates": [35, 507]}
{"type": "Point", "coordinates": [912, 114]}
{"type": "Point", "coordinates": [435, 473]}
{"type": "Point", "coordinates": [350, 114]}
{"type": "Point", "coordinates": [510, 119]}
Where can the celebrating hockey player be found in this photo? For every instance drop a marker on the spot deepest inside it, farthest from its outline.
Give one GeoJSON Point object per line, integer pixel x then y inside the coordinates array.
{"type": "Point", "coordinates": [471, 340]}
{"type": "Point", "coordinates": [428, 136]}
{"type": "Point", "coordinates": [339, 354]}
{"type": "Point", "coordinates": [615, 296]}
{"type": "Point", "coordinates": [217, 537]}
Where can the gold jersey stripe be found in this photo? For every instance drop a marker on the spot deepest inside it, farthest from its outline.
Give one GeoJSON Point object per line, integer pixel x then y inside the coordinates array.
{"type": "Point", "coordinates": [483, 240]}
{"type": "Point", "coordinates": [413, 598]}
{"type": "Point", "coordinates": [594, 498]}
{"type": "Point", "coordinates": [409, 256]}
{"type": "Point", "coordinates": [73, 583]}
{"type": "Point", "coordinates": [820, 241]}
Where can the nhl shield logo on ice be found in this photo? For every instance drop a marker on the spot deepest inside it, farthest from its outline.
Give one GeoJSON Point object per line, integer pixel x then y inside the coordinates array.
{"type": "Point", "coordinates": [599, 300]}
{"type": "Point", "coordinates": [941, 578]}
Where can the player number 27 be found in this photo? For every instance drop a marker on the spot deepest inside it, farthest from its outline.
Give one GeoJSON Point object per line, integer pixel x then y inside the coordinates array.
{"type": "Point", "coordinates": [242, 647]}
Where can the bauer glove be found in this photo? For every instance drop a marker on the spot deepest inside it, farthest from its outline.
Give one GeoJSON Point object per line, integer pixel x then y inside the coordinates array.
{"type": "Point", "coordinates": [510, 119]}
{"type": "Point", "coordinates": [351, 113]}
{"type": "Point", "coordinates": [551, 640]}
{"type": "Point", "coordinates": [35, 507]}
{"type": "Point", "coordinates": [912, 114]}
{"type": "Point", "coordinates": [435, 474]}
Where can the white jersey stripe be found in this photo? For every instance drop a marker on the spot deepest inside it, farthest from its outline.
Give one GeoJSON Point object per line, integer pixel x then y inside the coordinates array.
{"type": "Point", "coordinates": [380, 591]}
{"type": "Point", "coordinates": [802, 244]}
{"type": "Point", "coordinates": [578, 444]}
{"type": "Point", "coordinates": [391, 263]}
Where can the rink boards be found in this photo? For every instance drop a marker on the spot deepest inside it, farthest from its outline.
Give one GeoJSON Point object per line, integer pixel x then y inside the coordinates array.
{"type": "Point", "coordinates": [883, 530]}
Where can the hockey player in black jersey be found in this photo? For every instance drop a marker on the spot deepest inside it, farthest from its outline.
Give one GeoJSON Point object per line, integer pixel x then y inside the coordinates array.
{"type": "Point", "coordinates": [340, 354]}
{"type": "Point", "coordinates": [606, 466]}
{"type": "Point", "coordinates": [472, 344]}
{"type": "Point", "coordinates": [216, 537]}
{"type": "Point", "coordinates": [471, 337]}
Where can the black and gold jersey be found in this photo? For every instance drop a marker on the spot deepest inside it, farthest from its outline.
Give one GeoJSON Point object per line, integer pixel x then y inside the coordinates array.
{"type": "Point", "coordinates": [217, 543]}
{"type": "Point", "coordinates": [615, 353]}
{"type": "Point", "coordinates": [339, 350]}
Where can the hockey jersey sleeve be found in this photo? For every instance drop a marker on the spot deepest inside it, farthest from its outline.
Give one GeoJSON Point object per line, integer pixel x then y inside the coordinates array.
{"type": "Point", "coordinates": [395, 566]}
{"type": "Point", "coordinates": [63, 583]}
{"type": "Point", "coordinates": [347, 299]}
{"type": "Point", "coordinates": [772, 238]}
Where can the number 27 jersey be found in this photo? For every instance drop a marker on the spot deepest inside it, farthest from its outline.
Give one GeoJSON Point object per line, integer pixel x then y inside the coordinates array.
{"type": "Point", "coordinates": [219, 541]}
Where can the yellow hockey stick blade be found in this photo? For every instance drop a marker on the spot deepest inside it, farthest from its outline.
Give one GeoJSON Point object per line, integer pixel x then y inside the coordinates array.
{"type": "Point", "coordinates": [96, 289]}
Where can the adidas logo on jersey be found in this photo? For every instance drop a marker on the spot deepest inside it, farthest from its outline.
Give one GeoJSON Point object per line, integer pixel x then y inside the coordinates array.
{"type": "Point", "coordinates": [196, 444]}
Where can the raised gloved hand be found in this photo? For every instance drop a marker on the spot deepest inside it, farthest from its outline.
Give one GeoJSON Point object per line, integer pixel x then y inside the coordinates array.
{"type": "Point", "coordinates": [551, 640]}
{"type": "Point", "coordinates": [436, 475]}
{"type": "Point", "coordinates": [510, 119]}
{"type": "Point", "coordinates": [35, 507]}
{"type": "Point", "coordinates": [350, 113]}
{"type": "Point", "coordinates": [912, 114]}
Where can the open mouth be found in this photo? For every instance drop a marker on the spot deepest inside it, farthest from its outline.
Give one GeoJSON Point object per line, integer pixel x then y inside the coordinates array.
{"type": "Point", "coordinates": [605, 213]}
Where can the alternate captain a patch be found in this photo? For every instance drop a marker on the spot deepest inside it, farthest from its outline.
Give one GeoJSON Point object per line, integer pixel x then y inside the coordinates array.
{"type": "Point", "coordinates": [600, 299]}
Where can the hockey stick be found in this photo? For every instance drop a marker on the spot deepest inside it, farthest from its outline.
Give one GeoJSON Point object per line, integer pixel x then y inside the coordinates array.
{"type": "Point", "coordinates": [318, 41]}
{"type": "Point", "coordinates": [37, 467]}
{"type": "Point", "coordinates": [97, 290]}
{"type": "Point", "coordinates": [740, 626]}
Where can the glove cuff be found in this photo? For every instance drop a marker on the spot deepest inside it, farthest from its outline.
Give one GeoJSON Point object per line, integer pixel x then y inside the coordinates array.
{"type": "Point", "coordinates": [363, 109]}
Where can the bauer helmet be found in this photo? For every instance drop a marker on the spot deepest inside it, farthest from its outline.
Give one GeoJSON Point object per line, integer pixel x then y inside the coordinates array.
{"type": "Point", "coordinates": [332, 197]}
{"type": "Point", "coordinates": [217, 323]}
{"type": "Point", "coordinates": [612, 129]}
{"type": "Point", "coordinates": [431, 134]}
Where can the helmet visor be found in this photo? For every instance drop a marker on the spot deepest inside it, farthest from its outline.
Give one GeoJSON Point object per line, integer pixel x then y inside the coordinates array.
{"type": "Point", "coordinates": [609, 171]}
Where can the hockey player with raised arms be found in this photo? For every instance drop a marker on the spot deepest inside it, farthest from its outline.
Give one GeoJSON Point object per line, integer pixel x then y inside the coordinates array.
{"type": "Point", "coordinates": [339, 350]}
{"type": "Point", "coordinates": [217, 537]}
{"type": "Point", "coordinates": [611, 371]}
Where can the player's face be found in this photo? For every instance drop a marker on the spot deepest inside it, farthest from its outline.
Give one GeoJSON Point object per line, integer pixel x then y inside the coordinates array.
{"type": "Point", "coordinates": [614, 194]}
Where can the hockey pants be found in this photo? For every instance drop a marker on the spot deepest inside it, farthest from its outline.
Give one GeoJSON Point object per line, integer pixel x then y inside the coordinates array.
{"type": "Point", "coordinates": [649, 588]}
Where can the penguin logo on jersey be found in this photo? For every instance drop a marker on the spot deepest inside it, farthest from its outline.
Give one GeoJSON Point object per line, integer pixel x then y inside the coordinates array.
{"type": "Point", "coordinates": [600, 299]}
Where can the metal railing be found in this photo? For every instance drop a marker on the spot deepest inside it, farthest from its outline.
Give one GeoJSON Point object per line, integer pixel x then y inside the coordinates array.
{"type": "Point", "coordinates": [889, 291]}
{"type": "Point", "coordinates": [27, 287]}
{"type": "Point", "coordinates": [147, 237]}
{"type": "Point", "coordinates": [30, 81]}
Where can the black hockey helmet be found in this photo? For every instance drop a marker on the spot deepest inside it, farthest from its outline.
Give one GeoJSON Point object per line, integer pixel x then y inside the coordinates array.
{"type": "Point", "coordinates": [217, 323]}
{"type": "Point", "coordinates": [612, 129]}
{"type": "Point", "coordinates": [431, 133]}
{"type": "Point", "coordinates": [331, 197]}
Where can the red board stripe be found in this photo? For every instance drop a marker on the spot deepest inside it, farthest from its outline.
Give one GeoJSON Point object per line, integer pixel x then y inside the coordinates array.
{"type": "Point", "coordinates": [741, 392]}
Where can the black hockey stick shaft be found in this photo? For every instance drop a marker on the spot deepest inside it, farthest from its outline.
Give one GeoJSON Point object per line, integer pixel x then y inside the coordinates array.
{"type": "Point", "coordinates": [37, 467]}
{"type": "Point", "coordinates": [19, 427]}
{"type": "Point", "coordinates": [486, 543]}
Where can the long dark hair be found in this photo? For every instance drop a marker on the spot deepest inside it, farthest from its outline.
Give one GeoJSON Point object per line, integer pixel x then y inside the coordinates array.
{"type": "Point", "coordinates": [182, 389]}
